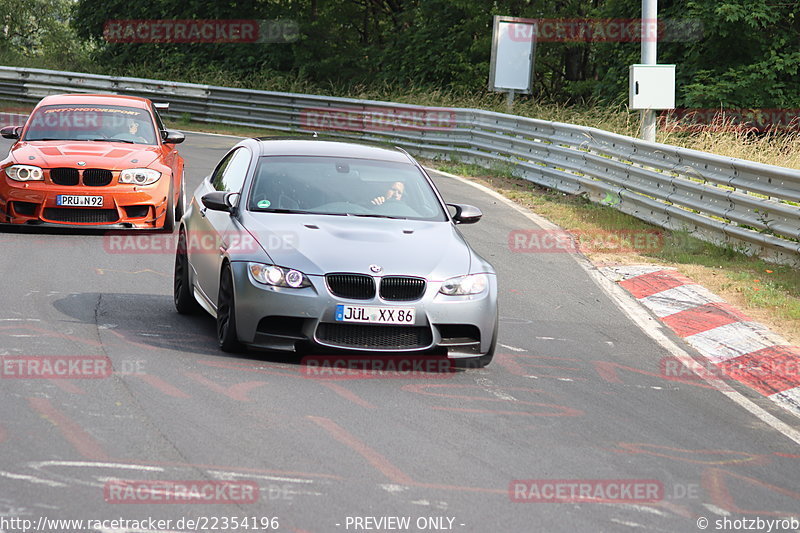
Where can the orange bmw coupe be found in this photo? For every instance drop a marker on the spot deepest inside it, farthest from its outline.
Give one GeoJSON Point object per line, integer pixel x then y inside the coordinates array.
{"type": "Point", "coordinates": [91, 160]}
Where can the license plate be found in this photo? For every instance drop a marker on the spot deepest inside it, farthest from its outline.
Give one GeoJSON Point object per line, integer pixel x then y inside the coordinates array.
{"type": "Point", "coordinates": [79, 201]}
{"type": "Point", "coordinates": [375, 315]}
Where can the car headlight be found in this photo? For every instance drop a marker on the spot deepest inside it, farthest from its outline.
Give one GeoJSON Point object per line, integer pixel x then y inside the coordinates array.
{"type": "Point", "coordinates": [462, 285]}
{"type": "Point", "coordinates": [278, 276]}
{"type": "Point", "coordinates": [24, 173]}
{"type": "Point", "coordinates": [139, 176]}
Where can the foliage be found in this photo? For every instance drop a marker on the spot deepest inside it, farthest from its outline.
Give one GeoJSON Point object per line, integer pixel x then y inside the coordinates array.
{"type": "Point", "coordinates": [746, 57]}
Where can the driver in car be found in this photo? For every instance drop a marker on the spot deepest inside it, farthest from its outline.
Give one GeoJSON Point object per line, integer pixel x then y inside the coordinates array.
{"type": "Point", "coordinates": [133, 132]}
{"type": "Point", "coordinates": [395, 192]}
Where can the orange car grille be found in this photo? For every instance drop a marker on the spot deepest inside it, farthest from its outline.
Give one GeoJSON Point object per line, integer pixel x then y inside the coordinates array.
{"type": "Point", "coordinates": [84, 216]}
{"type": "Point", "coordinates": [92, 177]}
{"type": "Point", "coordinates": [64, 176]}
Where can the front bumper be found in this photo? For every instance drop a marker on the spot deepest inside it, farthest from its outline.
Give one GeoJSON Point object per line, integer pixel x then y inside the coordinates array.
{"type": "Point", "coordinates": [124, 206]}
{"type": "Point", "coordinates": [286, 319]}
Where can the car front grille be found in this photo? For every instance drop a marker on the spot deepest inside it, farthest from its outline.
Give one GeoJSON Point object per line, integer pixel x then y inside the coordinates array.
{"type": "Point", "coordinates": [374, 337]}
{"type": "Point", "coordinates": [96, 177]}
{"type": "Point", "coordinates": [352, 286]}
{"type": "Point", "coordinates": [81, 216]}
{"type": "Point", "coordinates": [92, 177]}
{"type": "Point", "coordinates": [64, 176]}
{"type": "Point", "coordinates": [399, 288]}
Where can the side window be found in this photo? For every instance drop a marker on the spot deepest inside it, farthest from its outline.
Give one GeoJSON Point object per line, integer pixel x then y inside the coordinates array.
{"type": "Point", "coordinates": [159, 123]}
{"type": "Point", "coordinates": [230, 174]}
{"type": "Point", "coordinates": [216, 178]}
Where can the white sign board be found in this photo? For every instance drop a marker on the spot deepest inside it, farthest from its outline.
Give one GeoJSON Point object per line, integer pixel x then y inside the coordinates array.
{"type": "Point", "coordinates": [513, 48]}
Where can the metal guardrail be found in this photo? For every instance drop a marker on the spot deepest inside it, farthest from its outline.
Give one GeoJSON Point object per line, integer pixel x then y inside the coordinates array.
{"type": "Point", "coordinates": [746, 205]}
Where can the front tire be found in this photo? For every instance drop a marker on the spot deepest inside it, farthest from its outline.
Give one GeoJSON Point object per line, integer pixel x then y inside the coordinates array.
{"type": "Point", "coordinates": [181, 209]}
{"type": "Point", "coordinates": [226, 313]}
{"type": "Point", "coordinates": [182, 290]}
{"type": "Point", "coordinates": [169, 217]}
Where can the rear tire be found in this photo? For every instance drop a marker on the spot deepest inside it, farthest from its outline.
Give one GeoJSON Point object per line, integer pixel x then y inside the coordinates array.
{"type": "Point", "coordinates": [226, 313]}
{"type": "Point", "coordinates": [182, 290]}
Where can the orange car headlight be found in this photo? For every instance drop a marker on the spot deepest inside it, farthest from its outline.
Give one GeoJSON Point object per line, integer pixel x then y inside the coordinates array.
{"type": "Point", "coordinates": [139, 176]}
{"type": "Point", "coordinates": [24, 173]}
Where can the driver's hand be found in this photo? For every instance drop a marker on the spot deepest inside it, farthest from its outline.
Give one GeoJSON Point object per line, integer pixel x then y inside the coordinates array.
{"type": "Point", "coordinates": [379, 200]}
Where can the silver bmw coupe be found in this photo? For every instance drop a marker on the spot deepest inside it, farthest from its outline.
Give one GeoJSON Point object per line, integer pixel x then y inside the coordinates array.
{"type": "Point", "coordinates": [302, 244]}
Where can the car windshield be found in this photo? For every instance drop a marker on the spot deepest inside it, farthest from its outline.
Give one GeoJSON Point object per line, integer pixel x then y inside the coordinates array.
{"type": "Point", "coordinates": [88, 122]}
{"type": "Point", "coordinates": [343, 186]}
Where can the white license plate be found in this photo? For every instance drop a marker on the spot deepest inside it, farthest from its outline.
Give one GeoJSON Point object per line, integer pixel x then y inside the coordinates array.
{"type": "Point", "coordinates": [375, 315]}
{"type": "Point", "coordinates": [79, 201]}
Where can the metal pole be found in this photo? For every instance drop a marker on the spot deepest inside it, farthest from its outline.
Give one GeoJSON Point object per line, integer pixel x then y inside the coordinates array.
{"type": "Point", "coordinates": [649, 57]}
{"type": "Point", "coordinates": [510, 100]}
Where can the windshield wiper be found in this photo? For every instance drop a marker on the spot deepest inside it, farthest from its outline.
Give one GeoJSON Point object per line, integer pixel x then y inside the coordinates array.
{"type": "Point", "coordinates": [53, 139]}
{"type": "Point", "coordinates": [112, 141]}
{"type": "Point", "coordinates": [378, 216]}
{"type": "Point", "coordinates": [297, 212]}
{"type": "Point", "coordinates": [289, 211]}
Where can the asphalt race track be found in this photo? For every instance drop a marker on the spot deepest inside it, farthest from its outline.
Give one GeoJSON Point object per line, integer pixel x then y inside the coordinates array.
{"type": "Point", "coordinates": [576, 392]}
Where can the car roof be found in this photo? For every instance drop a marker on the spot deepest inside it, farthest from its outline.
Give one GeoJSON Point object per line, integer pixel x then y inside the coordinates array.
{"type": "Point", "coordinates": [96, 99]}
{"type": "Point", "coordinates": [317, 147]}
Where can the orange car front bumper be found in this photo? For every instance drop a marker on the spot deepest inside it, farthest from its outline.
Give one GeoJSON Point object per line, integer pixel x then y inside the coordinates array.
{"type": "Point", "coordinates": [124, 206]}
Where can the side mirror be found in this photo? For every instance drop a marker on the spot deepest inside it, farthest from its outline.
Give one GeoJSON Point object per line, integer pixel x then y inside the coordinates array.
{"type": "Point", "coordinates": [221, 201]}
{"type": "Point", "coordinates": [466, 214]}
{"type": "Point", "coordinates": [11, 132]}
{"type": "Point", "coordinates": [173, 137]}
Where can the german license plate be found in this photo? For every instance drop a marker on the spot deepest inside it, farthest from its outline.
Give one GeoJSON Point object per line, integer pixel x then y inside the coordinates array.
{"type": "Point", "coordinates": [375, 315]}
{"type": "Point", "coordinates": [67, 200]}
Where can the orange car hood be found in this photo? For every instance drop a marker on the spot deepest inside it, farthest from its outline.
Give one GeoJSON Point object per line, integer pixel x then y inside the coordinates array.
{"type": "Point", "coordinates": [113, 156]}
